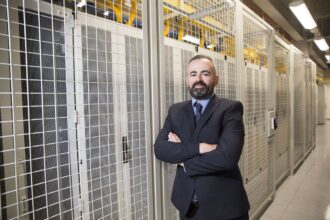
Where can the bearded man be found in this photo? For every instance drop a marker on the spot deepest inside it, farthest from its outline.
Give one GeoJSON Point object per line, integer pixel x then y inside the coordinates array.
{"type": "Point", "coordinates": [204, 137]}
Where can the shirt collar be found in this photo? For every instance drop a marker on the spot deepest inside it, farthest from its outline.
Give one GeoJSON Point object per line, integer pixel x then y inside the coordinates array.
{"type": "Point", "coordinates": [203, 102]}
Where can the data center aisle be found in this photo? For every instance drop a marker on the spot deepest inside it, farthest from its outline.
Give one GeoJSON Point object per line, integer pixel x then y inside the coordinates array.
{"type": "Point", "coordinates": [306, 195]}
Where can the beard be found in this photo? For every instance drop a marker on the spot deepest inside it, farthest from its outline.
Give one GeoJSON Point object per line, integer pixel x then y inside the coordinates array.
{"type": "Point", "coordinates": [204, 92]}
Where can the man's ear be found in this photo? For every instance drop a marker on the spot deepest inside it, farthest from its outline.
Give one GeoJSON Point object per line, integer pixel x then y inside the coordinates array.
{"type": "Point", "coordinates": [216, 80]}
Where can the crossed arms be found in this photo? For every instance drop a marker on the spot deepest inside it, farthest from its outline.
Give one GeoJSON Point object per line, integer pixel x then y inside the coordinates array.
{"type": "Point", "coordinates": [204, 158]}
{"type": "Point", "coordinates": [203, 147]}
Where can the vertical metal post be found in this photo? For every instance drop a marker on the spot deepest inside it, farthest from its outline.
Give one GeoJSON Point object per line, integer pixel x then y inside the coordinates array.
{"type": "Point", "coordinates": [240, 66]}
{"type": "Point", "coordinates": [271, 101]}
{"type": "Point", "coordinates": [291, 127]}
{"type": "Point", "coordinates": [152, 18]}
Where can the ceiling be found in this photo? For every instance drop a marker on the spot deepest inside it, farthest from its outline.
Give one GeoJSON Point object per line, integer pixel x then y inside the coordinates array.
{"type": "Point", "coordinates": [278, 14]}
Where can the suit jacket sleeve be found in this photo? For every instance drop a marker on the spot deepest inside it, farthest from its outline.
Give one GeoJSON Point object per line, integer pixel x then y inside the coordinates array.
{"type": "Point", "coordinates": [229, 149]}
{"type": "Point", "coordinates": [171, 152]}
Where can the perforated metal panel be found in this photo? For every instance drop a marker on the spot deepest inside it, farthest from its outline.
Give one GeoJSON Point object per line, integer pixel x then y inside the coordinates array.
{"type": "Point", "coordinates": [258, 171]}
{"type": "Point", "coordinates": [282, 133]}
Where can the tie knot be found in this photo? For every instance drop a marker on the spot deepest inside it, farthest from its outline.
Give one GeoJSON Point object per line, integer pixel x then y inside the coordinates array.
{"type": "Point", "coordinates": [198, 107]}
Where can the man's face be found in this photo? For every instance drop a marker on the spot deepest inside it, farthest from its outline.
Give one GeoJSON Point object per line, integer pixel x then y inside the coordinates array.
{"type": "Point", "coordinates": [201, 78]}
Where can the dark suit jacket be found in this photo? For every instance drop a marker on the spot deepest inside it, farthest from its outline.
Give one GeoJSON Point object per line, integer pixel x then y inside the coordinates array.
{"type": "Point", "coordinates": [214, 176]}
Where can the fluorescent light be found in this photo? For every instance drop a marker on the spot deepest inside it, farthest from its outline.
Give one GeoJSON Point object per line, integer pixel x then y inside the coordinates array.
{"type": "Point", "coordinates": [301, 11]}
{"type": "Point", "coordinates": [191, 39]}
{"type": "Point", "coordinates": [106, 13]}
{"type": "Point", "coordinates": [81, 4]}
{"type": "Point", "coordinates": [322, 44]}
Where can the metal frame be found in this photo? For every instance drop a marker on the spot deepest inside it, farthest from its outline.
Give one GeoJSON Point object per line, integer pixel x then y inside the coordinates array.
{"type": "Point", "coordinates": [154, 94]}
{"type": "Point", "coordinates": [269, 96]}
{"type": "Point", "coordinates": [49, 9]}
{"type": "Point", "coordinates": [293, 165]}
{"type": "Point", "coordinates": [120, 107]}
{"type": "Point", "coordinates": [284, 45]}
{"type": "Point", "coordinates": [153, 66]}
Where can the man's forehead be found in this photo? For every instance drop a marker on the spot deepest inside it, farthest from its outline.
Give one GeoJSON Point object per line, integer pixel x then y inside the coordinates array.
{"type": "Point", "coordinates": [201, 60]}
{"type": "Point", "coordinates": [200, 64]}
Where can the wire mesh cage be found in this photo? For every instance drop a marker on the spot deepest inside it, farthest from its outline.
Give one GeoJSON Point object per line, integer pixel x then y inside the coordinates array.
{"type": "Point", "coordinates": [73, 132]}
{"type": "Point", "coordinates": [299, 107]}
{"type": "Point", "coordinates": [191, 27]}
{"type": "Point", "coordinates": [258, 172]}
{"type": "Point", "coordinates": [282, 110]}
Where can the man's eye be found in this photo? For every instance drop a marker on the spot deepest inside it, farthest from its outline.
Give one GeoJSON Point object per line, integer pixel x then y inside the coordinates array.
{"type": "Point", "coordinates": [206, 74]}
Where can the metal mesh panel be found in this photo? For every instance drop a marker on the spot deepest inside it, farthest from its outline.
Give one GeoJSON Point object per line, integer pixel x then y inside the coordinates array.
{"type": "Point", "coordinates": [114, 123]}
{"type": "Point", "coordinates": [169, 78]}
{"type": "Point", "coordinates": [258, 153]}
{"type": "Point", "coordinates": [212, 24]}
{"type": "Point", "coordinates": [99, 127]}
{"type": "Point", "coordinates": [175, 60]}
{"type": "Point", "coordinates": [36, 167]}
{"type": "Point", "coordinates": [309, 106]}
{"type": "Point", "coordinates": [228, 78]}
{"type": "Point", "coordinates": [282, 110]}
{"type": "Point", "coordinates": [136, 128]}
{"type": "Point", "coordinates": [208, 24]}
{"type": "Point", "coordinates": [185, 57]}
{"type": "Point", "coordinates": [299, 107]}
{"type": "Point", "coordinates": [233, 81]}
{"type": "Point", "coordinates": [314, 103]}
{"type": "Point", "coordinates": [73, 133]}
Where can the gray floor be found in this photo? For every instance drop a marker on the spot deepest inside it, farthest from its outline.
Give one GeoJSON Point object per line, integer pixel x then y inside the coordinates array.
{"type": "Point", "coordinates": [306, 195]}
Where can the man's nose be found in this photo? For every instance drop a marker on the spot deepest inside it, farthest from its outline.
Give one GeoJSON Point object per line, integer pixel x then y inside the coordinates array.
{"type": "Point", "coordinates": [199, 77]}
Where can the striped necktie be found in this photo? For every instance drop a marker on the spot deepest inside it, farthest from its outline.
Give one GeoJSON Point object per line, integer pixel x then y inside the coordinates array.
{"type": "Point", "coordinates": [199, 109]}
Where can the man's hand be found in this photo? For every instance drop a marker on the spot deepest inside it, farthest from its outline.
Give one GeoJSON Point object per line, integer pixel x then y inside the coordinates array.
{"type": "Point", "coordinates": [205, 148]}
{"type": "Point", "coordinates": [173, 138]}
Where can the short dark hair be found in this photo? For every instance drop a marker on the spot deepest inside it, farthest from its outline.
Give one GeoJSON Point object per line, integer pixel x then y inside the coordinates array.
{"type": "Point", "coordinates": [202, 56]}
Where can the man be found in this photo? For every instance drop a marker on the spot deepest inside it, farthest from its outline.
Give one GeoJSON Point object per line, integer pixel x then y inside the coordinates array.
{"type": "Point", "coordinates": [205, 137]}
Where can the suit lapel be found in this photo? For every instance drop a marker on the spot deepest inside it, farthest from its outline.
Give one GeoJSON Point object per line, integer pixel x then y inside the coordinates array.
{"type": "Point", "coordinates": [210, 108]}
{"type": "Point", "coordinates": [189, 119]}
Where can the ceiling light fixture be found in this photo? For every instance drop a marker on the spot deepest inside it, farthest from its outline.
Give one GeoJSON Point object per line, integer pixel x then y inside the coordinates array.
{"type": "Point", "coordinates": [81, 4]}
{"type": "Point", "coordinates": [302, 13]}
{"type": "Point", "coordinates": [322, 44]}
{"type": "Point", "coordinates": [191, 39]}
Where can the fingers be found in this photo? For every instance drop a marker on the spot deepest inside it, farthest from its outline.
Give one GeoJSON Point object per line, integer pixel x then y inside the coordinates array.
{"type": "Point", "coordinates": [205, 148]}
{"type": "Point", "coordinates": [173, 137]}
